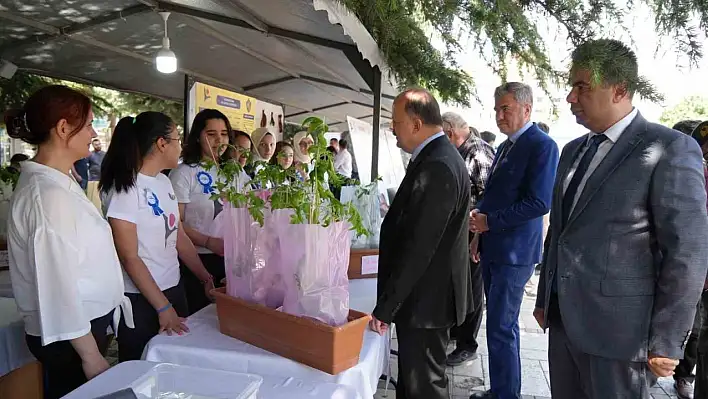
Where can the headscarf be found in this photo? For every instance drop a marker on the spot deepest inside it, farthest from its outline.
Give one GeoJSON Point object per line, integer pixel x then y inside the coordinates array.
{"type": "Point", "coordinates": [257, 136]}
{"type": "Point", "coordinates": [299, 156]}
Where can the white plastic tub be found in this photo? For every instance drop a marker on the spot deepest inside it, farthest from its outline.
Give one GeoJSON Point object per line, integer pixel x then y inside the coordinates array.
{"type": "Point", "coordinates": [169, 381]}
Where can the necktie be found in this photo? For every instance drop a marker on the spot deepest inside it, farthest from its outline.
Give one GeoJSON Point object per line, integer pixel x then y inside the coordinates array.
{"type": "Point", "coordinates": [572, 190]}
{"type": "Point", "coordinates": [507, 146]}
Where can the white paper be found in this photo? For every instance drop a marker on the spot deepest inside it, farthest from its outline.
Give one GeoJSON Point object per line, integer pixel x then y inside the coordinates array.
{"type": "Point", "coordinates": [370, 264]}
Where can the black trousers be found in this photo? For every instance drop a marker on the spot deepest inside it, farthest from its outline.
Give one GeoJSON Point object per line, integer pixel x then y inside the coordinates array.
{"type": "Point", "coordinates": [465, 335]}
{"type": "Point", "coordinates": [61, 364]}
{"type": "Point", "coordinates": [421, 363]}
{"type": "Point", "coordinates": [132, 341]}
{"type": "Point", "coordinates": [193, 288]}
{"type": "Point", "coordinates": [702, 351]}
{"type": "Point", "coordinates": [684, 370]}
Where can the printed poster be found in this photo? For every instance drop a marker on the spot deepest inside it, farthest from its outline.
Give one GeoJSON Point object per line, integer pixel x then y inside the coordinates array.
{"type": "Point", "coordinates": [245, 113]}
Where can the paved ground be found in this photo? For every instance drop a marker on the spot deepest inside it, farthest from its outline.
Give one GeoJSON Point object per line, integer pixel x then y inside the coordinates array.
{"type": "Point", "coordinates": [534, 362]}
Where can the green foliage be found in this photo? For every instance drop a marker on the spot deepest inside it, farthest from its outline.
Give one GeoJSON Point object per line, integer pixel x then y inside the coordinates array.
{"type": "Point", "coordinates": [609, 63]}
{"type": "Point", "coordinates": [10, 176]}
{"type": "Point", "coordinates": [15, 92]}
{"type": "Point", "coordinates": [506, 30]}
{"type": "Point", "coordinates": [310, 199]}
{"type": "Point", "coordinates": [133, 104]}
{"type": "Point", "coordinates": [290, 130]}
{"type": "Point", "coordinates": [694, 107]}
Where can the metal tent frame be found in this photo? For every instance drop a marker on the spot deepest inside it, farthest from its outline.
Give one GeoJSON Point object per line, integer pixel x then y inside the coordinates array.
{"type": "Point", "coordinates": [312, 56]}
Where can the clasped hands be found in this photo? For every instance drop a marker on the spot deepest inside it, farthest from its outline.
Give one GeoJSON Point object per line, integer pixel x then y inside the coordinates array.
{"type": "Point", "coordinates": [660, 366]}
{"type": "Point", "coordinates": [478, 222]}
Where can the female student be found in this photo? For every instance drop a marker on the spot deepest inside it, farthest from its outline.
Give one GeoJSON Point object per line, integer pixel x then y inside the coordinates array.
{"type": "Point", "coordinates": [141, 206]}
{"type": "Point", "coordinates": [193, 183]}
{"type": "Point", "coordinates": [66, 277]}
{"type": "Point", "coordinates": [264, 143]}
{"type": "Point", "coordinates": [283, 155]}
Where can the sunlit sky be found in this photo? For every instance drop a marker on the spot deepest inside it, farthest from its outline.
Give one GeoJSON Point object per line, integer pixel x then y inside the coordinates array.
{"type": "Point", "coordinates": [657, 61]}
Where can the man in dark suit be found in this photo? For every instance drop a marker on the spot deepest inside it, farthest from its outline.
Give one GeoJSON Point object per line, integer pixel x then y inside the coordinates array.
{"type": "Point", "coordinates": [625, 256]}
{"type": "Point", "coordinates": [509, 223]}
{"type": "Point", "coordinates": [424, 276]}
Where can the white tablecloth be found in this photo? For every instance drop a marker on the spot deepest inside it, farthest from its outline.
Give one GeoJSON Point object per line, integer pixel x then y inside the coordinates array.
{"type": "Point", "coordinates": [124, 374]}
{"type": "Point", "coordinates": [13, 349]}
{"type": "Point", "coordinates": [204, 346]}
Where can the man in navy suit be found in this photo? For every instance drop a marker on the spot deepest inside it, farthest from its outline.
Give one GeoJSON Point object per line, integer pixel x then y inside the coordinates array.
{"type": "Point", "coordinates": [508, 223]}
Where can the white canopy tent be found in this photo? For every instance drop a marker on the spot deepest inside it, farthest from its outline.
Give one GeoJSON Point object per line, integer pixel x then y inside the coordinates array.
{"type": "Point", "coordinates": [312, 56]}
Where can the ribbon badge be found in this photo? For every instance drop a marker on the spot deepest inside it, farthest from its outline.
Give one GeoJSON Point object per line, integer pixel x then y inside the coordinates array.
{"type": "Point", "coordinates": [154, 202]}
{"type": "Point", "coordinates": [206, 181]}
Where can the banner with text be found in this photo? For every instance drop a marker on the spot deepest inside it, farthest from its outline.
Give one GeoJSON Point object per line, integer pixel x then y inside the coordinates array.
{"type": "Point", "coordinates": [245, 113]}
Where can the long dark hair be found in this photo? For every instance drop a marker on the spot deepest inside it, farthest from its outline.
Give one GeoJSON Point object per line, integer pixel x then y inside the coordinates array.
{"type": "Point", "coordinates": [229, 153]}
{"type": "Point", "coordinates": [279, 146]}
{"type": "Point", "coordinates": [43, 110]}
{"type": "Point", "coordinates": [192, 151]}
{"type": "Point", "coordinates": [132, 140]}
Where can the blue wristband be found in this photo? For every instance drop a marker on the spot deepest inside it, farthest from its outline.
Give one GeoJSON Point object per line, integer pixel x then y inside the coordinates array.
{"type": "Point", "coordinates": [162, 309]}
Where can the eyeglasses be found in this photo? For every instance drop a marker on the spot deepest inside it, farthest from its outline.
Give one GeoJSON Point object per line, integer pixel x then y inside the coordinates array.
{"type": "Point", "coordinates": [170, 139]}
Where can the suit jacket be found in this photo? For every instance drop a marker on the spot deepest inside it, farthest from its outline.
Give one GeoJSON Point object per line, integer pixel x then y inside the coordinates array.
{"type": "Point", "coordinates": [631, 260]}
{"type": "Point", "coordinates": [424, 273]}
{"type": "Point", "coordinates": [517, 195]}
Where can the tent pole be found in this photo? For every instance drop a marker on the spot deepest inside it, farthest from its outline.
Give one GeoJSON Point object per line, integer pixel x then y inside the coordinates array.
{"type": "Point", "coordinates": [376, 125]}
{"type": "Point", "coordinates": [187, 88]}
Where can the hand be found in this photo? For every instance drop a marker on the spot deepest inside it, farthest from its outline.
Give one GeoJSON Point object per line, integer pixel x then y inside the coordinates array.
{"type": "Point", "coordinates": [208, 286]}
{"type": "Point", "coordinates": [662, 366]}
{"type": "Point", "coordinates": [478, 222]}
{"type": "Point", "coordinates": [215, 245]}
{"type": "Point", "coordinates": [170, 322]}
{"type": "Point", "coordinates": [378, 326]}
{"type": "Point", "coordinates": [94, 365]}
{"type": "Point", "coordinates": [540, 314]}
{"type": "Point", "coordinates": [474, 248]}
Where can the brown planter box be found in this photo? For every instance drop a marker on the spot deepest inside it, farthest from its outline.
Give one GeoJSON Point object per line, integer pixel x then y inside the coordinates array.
{"type": "Point", "coordinates": [354, 270]}
{"type": "Point", "coordinates": [308, 341]}
{"type": "Point", "coordinates": [25, 382]}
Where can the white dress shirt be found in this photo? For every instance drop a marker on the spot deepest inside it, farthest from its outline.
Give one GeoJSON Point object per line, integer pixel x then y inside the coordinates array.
{"type": "Point", "coordinates": [613, 134]}
{"type": "Point", "coordinates": [343, 163]}
{"type": "Point", "coordinates": [63, 264]}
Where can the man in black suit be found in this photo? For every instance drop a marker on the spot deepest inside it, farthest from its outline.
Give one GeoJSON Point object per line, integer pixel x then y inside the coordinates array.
{"type": "Point", "coordinates": [424, 276]}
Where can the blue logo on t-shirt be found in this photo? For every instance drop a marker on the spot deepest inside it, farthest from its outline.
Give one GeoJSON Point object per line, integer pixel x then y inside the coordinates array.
{"type": "Point", "coordinates": [206, 181]}
{"type": "Point", "coordinates": [154, 202]}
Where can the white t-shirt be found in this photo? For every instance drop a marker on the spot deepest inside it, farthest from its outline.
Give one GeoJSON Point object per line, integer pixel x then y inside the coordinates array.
{"type": "Point", "coordinates": [151, 205]}
{"type": "Point", "coordinates": [63, 264]}
{"type": "Point", "coordinates": [343, 163]}
{"type": "Point", "coordinates": [193, 187]}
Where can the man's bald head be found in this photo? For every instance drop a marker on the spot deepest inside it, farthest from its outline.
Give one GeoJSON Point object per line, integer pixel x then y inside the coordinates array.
{"type": "Point", "coordinates": [420, 103]}
{"type": "Point", "coordinates": [416, 116]}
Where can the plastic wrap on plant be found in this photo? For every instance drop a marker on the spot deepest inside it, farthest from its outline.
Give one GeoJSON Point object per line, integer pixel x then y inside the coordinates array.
{"type": "Point", "coordinates": [315, 261]}
{"type": "Point", "coordinates": [369, 207]}
{"type": "Point", "coordinates": [250, 258]}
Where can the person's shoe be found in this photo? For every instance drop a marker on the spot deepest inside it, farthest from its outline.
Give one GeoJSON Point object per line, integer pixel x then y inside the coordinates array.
{"type": "Point", "coordinates": [684, 389]}
{"type": "Point", "coordinates": [460, 357]}
{"type": "Point", "coordinates": [482, 395]}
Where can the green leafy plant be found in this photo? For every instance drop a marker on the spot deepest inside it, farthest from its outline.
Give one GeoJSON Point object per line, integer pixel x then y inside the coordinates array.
{"type": "Point", "coordinates": [310, 198]}
{"type": "Point", "coordinates": [9, 176]}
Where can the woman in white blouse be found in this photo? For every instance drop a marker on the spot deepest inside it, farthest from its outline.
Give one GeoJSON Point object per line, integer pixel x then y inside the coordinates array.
{"type": "Point", "coordinates": [193, 183]}
{"type": "Point", "coordinates": [65, 273]}
{"type": "Point", "coordinates": [141, 206]}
